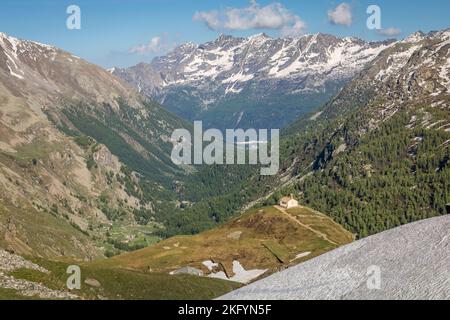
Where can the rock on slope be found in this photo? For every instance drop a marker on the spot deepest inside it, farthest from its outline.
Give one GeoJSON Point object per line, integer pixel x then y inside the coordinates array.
{"type": "Point", "coordinates": [414, 261]}
{"type": "Point", "coordinates": [255, 81]}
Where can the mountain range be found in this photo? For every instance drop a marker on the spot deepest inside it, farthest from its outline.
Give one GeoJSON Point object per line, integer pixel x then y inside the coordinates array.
{"type": "Point", "coordinates": [251, 82]}
{"type": "Point", "coordinates": [374, 157]}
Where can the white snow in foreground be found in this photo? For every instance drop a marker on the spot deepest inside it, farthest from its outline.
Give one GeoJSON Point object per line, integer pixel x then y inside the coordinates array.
{"type": "Point", "coordinates": [414, 263]}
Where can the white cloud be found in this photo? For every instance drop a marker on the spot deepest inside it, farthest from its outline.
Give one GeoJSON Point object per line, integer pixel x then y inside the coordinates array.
{"type": "Point", "coordinates": [152, 47]}
{"type": "Point", "coordinates": [341, 15]}
{"type": "Point", "coordinates": [390, 32]}
{"type": "Point", "coordinates": [273, 16]}
{"type": "Point", "coordinates": [298, 28]}
{"type": "Point", "coordinates": [156, 45]}
{"type": "Point", "coordinates": [211, 19]}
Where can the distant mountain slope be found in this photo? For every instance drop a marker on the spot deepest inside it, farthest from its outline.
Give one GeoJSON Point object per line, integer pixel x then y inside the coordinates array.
{"type": "Point", "coordinates": [410, 72]}
{"type": "Point", "coordinates": [251, 82]}
{"type": "Point", "coordinates": [413, 262]}
{"type": "Point", "coordinates": [79, 144]}
{"type": "Point", "coordinates": [260, 241]}
{"type": "Point", "coordinates": [76, 95]}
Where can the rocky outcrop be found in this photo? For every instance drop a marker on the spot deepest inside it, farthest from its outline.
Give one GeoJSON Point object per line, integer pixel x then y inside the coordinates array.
{"type": "Point", "coordinates": [10, 262]}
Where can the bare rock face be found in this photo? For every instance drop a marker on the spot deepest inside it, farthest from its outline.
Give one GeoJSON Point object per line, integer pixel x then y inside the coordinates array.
{"type": "Point", "coordinates": [10, 262]}
{"type": "Point", "coordinates": [412, 261]}
{"type": "Point", "coordinates": [105, 158]}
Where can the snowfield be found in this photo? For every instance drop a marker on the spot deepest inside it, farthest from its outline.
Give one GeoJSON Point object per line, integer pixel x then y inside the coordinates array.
{"type": "Point", "coordinates": [240, 274]}
{"type": "Point", "coordinates": [414, 263]}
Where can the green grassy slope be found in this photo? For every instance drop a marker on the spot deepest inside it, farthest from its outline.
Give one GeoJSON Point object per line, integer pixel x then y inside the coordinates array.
{"type": "Point", "coordinates": [118, 284]}
{"type": "Point", "coordinates": [29, 231]}
{"type": "Point", "coordinates": [260, 239]}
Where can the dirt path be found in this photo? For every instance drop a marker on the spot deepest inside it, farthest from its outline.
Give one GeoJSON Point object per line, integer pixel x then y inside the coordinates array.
{"type": "Point", "coordinates": [320, 234]}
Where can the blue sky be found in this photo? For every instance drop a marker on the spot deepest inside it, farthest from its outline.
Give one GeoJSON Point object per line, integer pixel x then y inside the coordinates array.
{"type": "Point", "coordinates": [120, 32]}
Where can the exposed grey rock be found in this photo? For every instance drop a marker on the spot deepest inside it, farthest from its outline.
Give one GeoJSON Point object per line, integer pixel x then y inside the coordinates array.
{"type": "Point", "coordinates": [93, 283]}
{"type": "Point", "coordinates": [414, 262]}
{"type": "Point", "coordinates": [10, 262]}
{"type": "Point", "coordinates": [32, 289]}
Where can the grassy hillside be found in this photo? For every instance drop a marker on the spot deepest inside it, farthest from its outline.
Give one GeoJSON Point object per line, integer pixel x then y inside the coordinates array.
{"type": "Point", "coordinates": [29, 231]}
{"type": "Point", "coordinates": [11, 294]}
{"type": "Point", "coordinates": [117, 284]}
{"type": "Point", "coordinates": [266, 238]}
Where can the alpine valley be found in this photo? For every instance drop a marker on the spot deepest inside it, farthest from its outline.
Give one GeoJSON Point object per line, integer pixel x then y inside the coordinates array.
{"type": "Point", "coordinates": [86, 175]}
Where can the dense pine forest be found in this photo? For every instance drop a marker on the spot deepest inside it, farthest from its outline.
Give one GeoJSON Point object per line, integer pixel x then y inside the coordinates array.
{"type": "Point", "coordinates": [392, 176]}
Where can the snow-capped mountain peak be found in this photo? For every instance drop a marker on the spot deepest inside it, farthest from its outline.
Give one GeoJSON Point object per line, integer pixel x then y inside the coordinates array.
{"type": "Point", "coordinates": [415, 37]}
